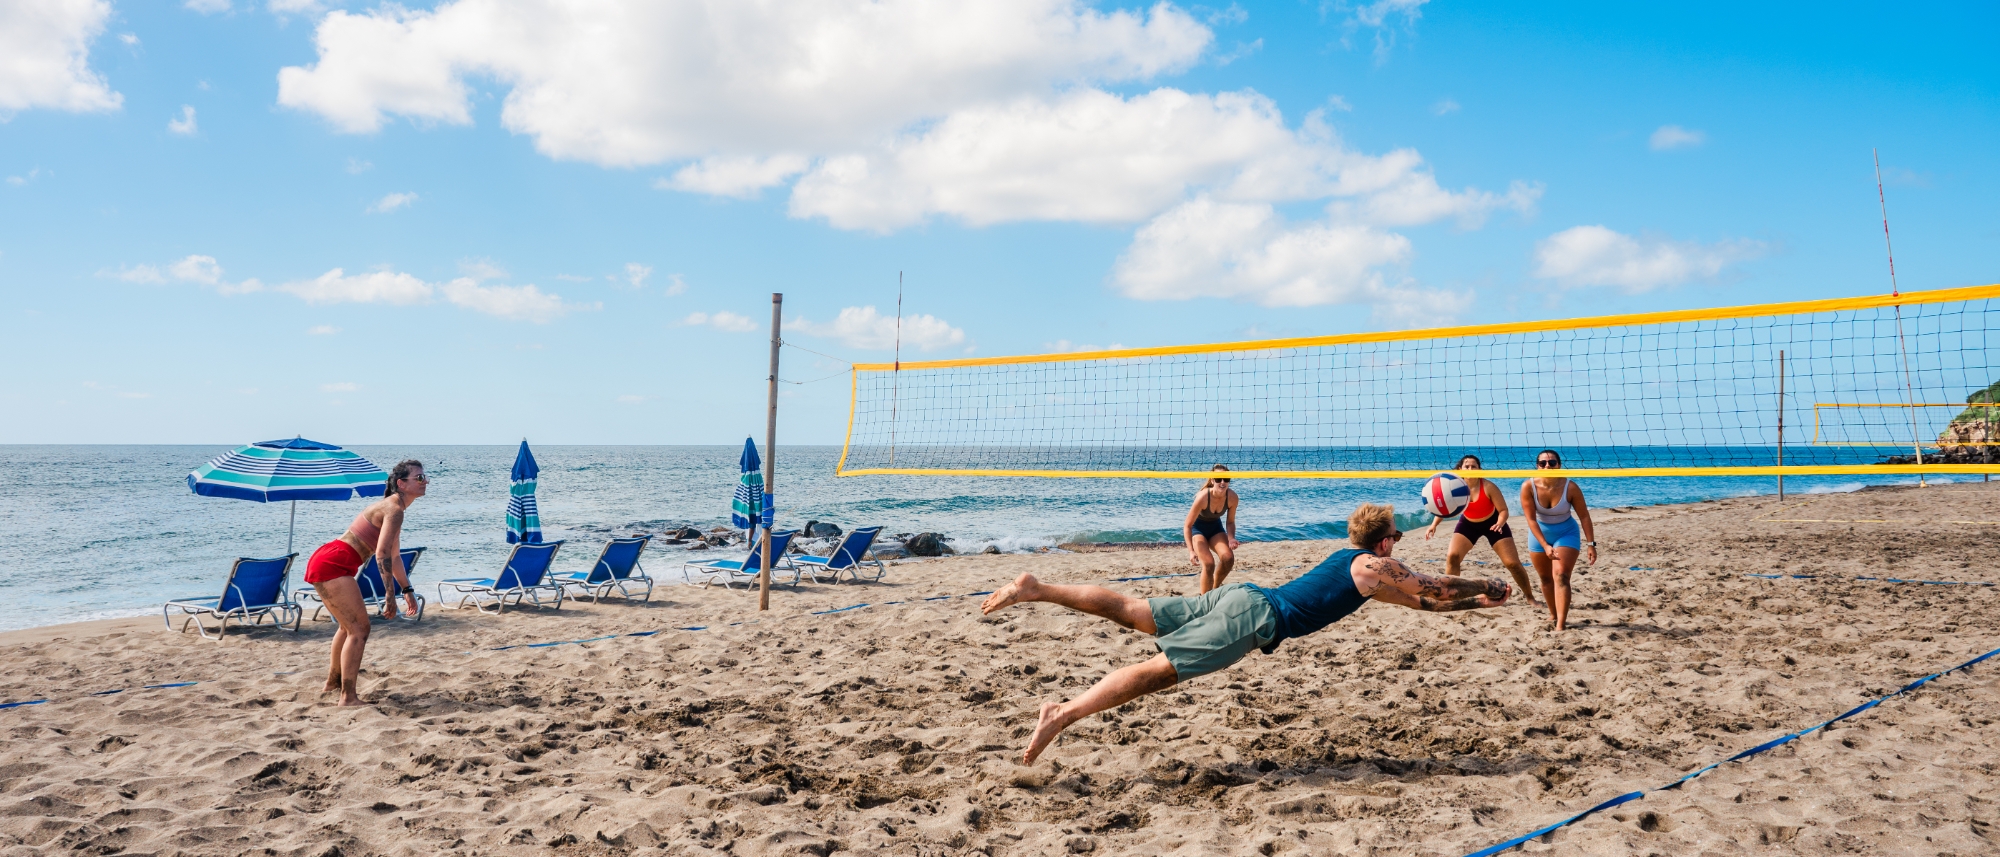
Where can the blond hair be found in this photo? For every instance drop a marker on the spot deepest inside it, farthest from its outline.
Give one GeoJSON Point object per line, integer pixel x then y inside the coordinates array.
{"type": "Point", "coordinates": [1211, 481]}
{"type": "Point", "coordinates": [1370, 524]}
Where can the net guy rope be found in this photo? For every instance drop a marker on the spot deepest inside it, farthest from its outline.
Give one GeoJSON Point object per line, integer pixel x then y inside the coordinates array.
{"type": "Point", "coordinates": [1679, 393]}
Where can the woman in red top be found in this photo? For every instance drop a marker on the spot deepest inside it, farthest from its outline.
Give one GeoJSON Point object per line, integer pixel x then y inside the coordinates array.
{"type": "Point", "coordinates": [377, 530]}
{"type": "Point", "coordinates": [1484, 517]}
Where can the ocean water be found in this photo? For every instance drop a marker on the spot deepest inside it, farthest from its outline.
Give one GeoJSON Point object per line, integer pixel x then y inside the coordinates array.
{"type": "Point", "coordinates": [89, 532]}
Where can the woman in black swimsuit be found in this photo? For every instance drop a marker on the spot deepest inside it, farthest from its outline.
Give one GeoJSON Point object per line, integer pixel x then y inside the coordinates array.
{"type": "Point", "coordinates": [1210, 530]}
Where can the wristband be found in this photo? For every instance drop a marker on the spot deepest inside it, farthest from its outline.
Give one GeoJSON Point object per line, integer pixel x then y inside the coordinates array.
{"type": "Point", "coordinates": [1590, 544]}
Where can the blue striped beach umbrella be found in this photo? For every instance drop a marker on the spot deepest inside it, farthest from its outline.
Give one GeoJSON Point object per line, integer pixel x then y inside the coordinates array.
{"type": "Point", "coordinates": [750, 506]}
{"type": "Point", "coordinates": [288, 470]}
{"type": "Point", "coordinates": [524, 519]}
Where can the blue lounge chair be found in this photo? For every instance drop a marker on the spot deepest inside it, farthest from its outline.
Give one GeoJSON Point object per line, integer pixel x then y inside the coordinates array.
{"type": "Point", "coordinates": [617, 568]}
{"type": "Point", "coordinates": [525, 578]}
{"type": "Point", "coordinates": [255, 591]}
{"type": "Point", "coordinates": [848, 557]}
{"type": "Point", "coordinates": [375, 592]}
{"type": "Point", "coordinates": [748, 567]}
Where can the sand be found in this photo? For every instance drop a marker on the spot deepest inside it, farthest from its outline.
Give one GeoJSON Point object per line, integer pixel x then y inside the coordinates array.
{"type": "Point", "coordinates": [895, 728]}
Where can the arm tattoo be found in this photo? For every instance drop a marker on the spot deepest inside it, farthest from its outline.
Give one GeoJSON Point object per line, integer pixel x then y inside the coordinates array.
{"type": "Point", "coordinates": [1435, 606]}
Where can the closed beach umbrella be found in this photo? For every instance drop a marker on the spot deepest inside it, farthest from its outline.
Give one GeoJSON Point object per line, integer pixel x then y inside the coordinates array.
{"type": "Point", "coordinates": [750, 506]}
{"type": "Point", "coordinates": [288, 470]}
{"type": "Point", "coordinates": [524, 520]}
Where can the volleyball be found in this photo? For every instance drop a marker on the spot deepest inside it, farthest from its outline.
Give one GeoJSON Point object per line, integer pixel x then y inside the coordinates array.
{"type": "Point", "coordinates": [1445, 495]}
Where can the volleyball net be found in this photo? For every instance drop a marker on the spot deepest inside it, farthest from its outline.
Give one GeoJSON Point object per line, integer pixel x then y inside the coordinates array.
{"type": "Point", "coordinates": [1870, 385]}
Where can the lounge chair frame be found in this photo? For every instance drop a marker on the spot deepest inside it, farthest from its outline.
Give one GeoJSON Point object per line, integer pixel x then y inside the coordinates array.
{"type": "Point", "coordinates": [234, 604]}
{"type": "Point", "coordinates": [854, 551]}
{"type": "Point", "coordinates": [508, 584]}
{"type": "Point", "coordinates": [748, 567]}
{"type": "Point", "coordinates": [603, 577]}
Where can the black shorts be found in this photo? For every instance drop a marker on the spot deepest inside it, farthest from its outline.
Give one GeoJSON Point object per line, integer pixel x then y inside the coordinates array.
{"type": "Point", "coordinates": [1210, 527]}
{"type": "Point", "coordinates": [1473, 530]}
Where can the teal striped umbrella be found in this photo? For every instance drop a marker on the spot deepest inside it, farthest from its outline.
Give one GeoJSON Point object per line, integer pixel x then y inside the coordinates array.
{"type": "Point", "coordinates": [294, 470]}
{"type": "Point", "coordinates": [524, 515]}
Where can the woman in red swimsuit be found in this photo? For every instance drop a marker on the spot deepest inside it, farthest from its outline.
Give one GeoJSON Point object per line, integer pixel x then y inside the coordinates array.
{"type": "Point", "coordinates": [1484, 517]}
{"type": "Point", "coordinates": [377, 530]}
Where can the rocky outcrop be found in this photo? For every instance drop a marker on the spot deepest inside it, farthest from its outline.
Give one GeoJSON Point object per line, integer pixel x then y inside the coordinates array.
{"type": "Point", "coordinates": [1961, 442]}
{"type": "Point", "coordinates": [820, 530]}
{"type": "Point", "coordinates": [927, 544]}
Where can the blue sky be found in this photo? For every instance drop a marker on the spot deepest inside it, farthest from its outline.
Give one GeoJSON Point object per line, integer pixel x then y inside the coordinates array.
{"type": "Point", "coordinates": [476, 221]}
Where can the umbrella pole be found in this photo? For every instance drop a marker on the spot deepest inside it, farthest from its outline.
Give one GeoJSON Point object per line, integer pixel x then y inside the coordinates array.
{"type": "Point", "coordinates": [770, 457]}
{"type": "Point", "coordinates": [293, 528]}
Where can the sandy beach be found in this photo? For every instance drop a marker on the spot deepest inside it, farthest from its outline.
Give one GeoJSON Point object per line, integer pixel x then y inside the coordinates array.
{"type": "Point", "coordinates": [895, 728]}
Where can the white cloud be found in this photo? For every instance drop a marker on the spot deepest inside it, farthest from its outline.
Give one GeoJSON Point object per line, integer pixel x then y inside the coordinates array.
{"type": "Point", "coordinates": [1064, 346]}
{"type": "Point", "coordinates": [1248, 252]}
{"type": "Point", "coordinates": [392, 202]}
{"type": "Point", "coordinates": [147, 274]}
{"type": "Point", "coordinates": [197, 269]}
{"type": "Point", "coordinates": [1379, 17]}
{"type": "Point", "coordinates": [1676, 137]}
{"type": "Point", "coordinates": [481, 270]}
{"type": "Point", "coordinates": [636, 274]}
{"type": "Point", "coordinates": [356, 166]}
{"type": "Point", "coordinates": [1339, 102]}
{"type": "Point", "coordinates": [192, 269]}
{"type": "Point", "coordinates": [295, 7]}
{"type": "Point", "coordinates": [131, 40]}
{"type": "Point", "coordinates": [1597, 256]}
{"type": "Point", "coordinates": [1377, 14]}
{"type": "Point", "coordinates": [883, 114]}
{"type": "Point", "coordinates": [322, 330]}
{"type": "Point", "coordinates": [641, 83]}
{"type": "Point", "coordinates": [339, 387]}
{"type": "Point", "coordinates": [18, 181]}
{"type": "Point", "coordinates": [184, 125]}
{"type": "Point", "coordinates": [45, 56]}
{"type": "Point", "coordinates": [629, 399]}
{"type": "Point", "coordinates": [207, 7]}
{"type": "Point", "coordinates": [384, 287]}
{"type": "Point", "coordinates": [724, 320]}
{"type": "Point", "coordinates": [1092, 156]}
{"type": "Point", "coordinates": [574, 278]}
{"type": "Point", "coordinates": [1444, 107]}
{"type": "Point", "coordinates": [740, 176]}
{"type": "Point", "coordinates": [675, 285]}
{"type": "Point", "coordinates": [520, 303]}
{"type": "Point", "coordinates": [864, 328]}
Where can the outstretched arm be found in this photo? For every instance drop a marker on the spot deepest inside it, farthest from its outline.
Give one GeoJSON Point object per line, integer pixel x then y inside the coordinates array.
{"type": "Point", "coordinates": [1583, 517]}
{"type": "Point", "coordinates": [1390, 581]}
{"type": "Point", "coordinates": [1187, 526]}
{"type": "Point", "coordinates": [389, 549]}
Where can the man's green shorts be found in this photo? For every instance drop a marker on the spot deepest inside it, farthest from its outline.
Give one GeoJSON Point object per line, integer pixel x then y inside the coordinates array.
{"type": "Point", "coordinates": [1203, 633]}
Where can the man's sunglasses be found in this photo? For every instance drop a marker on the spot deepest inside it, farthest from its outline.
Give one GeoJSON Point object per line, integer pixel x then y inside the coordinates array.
{"type": "Point", "coordinates": [1396, 536]}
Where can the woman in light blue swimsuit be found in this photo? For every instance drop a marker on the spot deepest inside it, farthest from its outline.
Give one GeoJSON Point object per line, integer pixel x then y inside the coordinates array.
{"type": "Point", "coordinates": [1562, 529]}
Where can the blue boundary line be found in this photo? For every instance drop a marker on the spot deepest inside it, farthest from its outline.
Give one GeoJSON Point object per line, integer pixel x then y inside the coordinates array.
{"type": "Point", "coordinates": [1876, 579]}
{"type": "Point", "coordinates": [1760, 748]}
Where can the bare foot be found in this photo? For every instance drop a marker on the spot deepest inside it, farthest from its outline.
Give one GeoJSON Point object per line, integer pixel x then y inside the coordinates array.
{"type": "Point", "coordinates": [332, 684]}
{"type": "Point", "coordinates": [1046, 729]}
{"type": "Point", "coordinates": [1024, 588]}
{"type": "Point", "coordinates": [350, 701]}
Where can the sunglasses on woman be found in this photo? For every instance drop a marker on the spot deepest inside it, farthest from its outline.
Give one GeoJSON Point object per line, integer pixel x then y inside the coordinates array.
{"type": "Point", "coordinates": [1547, 462]}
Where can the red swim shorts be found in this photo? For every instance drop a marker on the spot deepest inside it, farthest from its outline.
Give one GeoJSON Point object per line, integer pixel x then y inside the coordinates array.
{"type": "Point", "coordinates": [334, 560]}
